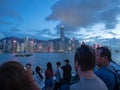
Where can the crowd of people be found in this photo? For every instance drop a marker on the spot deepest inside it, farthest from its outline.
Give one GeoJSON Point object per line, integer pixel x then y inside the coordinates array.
{"type": "Point", "coordinates": [92, 70]}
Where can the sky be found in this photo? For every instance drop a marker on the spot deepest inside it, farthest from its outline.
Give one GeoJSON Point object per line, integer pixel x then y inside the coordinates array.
{"type": "Point", "coordinates": [87, 20]}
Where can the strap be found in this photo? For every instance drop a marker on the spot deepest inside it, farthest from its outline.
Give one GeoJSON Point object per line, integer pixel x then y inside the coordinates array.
{"type": "Point", "coordinates": [116, 77]}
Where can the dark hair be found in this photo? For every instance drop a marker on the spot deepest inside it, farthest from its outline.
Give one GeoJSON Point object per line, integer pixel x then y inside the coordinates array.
{"type": "Point", "coordinates": [13, 77]}
{"type": "Point", "coordinates": [85, 56]}
{"type": "Point", "coordinates": [49, 66]}
{"type": "Point", "coordinates": [105, 52]}
{"type": "Point", "coordinates": [37, 69]}
{"type": "Point", "coordinates": [58, 63]}
{"type": "Point", "coordinates": [66, 60]}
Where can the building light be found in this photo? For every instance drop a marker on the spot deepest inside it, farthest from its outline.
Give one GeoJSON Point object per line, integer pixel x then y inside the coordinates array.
{"type": "Point", "coordinates": [14, 41]}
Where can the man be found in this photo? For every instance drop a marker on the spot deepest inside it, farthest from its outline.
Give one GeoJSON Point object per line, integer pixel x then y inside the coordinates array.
{"type": "Point", "coordinates": [103, 58]}
{"type": "Point", "coordinates": [59, 76]}
{"type": "Point", "coordinates": [84, 60]}
{"type": "Point", "coordinates": [66, 72]}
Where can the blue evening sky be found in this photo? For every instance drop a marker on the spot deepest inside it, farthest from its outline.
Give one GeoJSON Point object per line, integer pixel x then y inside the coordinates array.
{"type": "Point", "coordinates": [87, 20]}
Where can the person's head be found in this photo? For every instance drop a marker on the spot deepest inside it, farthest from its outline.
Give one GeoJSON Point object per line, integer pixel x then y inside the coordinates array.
{"type": "Point", "coordinates": [103, 56]}
{"type": "Point", "coordinates": [49, 65]}
{"type": "Point", "coordinates": [13, 76]}
{"type": "Point", "coordinates": [58, 64]}
{"type": "Point", "coordinates": [37, 69]}
{"type": "Point", "coordinates": [84, 58]}
{"type": "Point", "coordinates": [66, 61]}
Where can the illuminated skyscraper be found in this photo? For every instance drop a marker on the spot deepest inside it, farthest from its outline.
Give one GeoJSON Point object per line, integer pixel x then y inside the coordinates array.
{"type": "Point", "coordinates": [62, 33]}
{"type": "Point", "coordinates": [26, 43]}
{"type": "Point", "coordinates": [62, 38]}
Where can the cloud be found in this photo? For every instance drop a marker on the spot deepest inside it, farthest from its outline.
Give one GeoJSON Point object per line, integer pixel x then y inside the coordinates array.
{"type": "Point", "coordinates": [15, 29]}
{"type": "Point", "coordinates": [2, 22]}
{"type": "Point", "coordinates": [46, 31]}
{"type": "Point", "coordinates": [8, 15]}
{"type": "Point", "coordinates": [43, 34]}
{"type": "Point", "coordinates": [74, 14]}
{"type": "Point", "coordinates": [2, 35]}
{"type": "Point", "coordinates": [114, 34]}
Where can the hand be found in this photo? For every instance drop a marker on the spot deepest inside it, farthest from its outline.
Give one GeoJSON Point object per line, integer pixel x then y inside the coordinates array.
{"type": "Point", "coordinates": [29, 72]}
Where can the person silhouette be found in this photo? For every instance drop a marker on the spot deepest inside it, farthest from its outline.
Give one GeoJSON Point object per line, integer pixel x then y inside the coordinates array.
{"type": "Point", "coordinates": [13, 76]}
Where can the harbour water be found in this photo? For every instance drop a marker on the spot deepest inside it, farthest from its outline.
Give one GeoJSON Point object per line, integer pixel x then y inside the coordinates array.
{"type": "Point", "coordinates": [41, 59]}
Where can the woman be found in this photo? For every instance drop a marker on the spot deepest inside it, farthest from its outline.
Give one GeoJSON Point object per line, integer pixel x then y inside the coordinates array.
{"type": "Point", "coordinates": [38, 76]}
{"type": "Point", "coordinates": [13, 76]}
{"type": "Point", "coordinates": [49, 73]}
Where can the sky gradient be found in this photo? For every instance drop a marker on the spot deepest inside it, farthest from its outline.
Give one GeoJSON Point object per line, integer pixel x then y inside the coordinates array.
{"type": "Point", "coordinates": [88, 20]}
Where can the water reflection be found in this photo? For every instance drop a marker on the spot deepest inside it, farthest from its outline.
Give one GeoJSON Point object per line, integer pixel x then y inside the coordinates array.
{"type": "Point", "coordinates": [42, 58]}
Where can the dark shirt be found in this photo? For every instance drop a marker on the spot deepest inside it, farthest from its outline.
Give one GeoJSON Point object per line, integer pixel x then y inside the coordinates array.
{"type": "Point", "coordinates": [66, 73]}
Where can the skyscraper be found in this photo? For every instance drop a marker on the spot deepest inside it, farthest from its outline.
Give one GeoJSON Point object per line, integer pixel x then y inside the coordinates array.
{"type": "Point", "coordinates": [62, 32]}
{"type": "Point", "coordinates": [62, 38]}
{"type": "Point", "coordinates": [26, 44]}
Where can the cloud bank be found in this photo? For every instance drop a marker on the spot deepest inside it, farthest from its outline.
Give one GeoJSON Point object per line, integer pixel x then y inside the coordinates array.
{"type": "Point", "coordinates": [75, 14]}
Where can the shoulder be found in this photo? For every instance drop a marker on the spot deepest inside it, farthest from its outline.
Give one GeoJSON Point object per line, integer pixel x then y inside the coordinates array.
{"type": "Point", "coordinates": [97, 79]}
{"type": "Point", "coordinates": [75, 86]}
{"type": "Point", "coordinates": [103, 72]}
{"type": "Point", "coordinates": [99, 83]}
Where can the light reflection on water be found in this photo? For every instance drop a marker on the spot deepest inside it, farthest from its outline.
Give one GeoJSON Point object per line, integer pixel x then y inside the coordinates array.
{"type": "Point", "coordinates": [41, 59]}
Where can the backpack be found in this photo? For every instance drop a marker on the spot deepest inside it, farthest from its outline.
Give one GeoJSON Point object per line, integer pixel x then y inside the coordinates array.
{"type": "Point", "coordinates": [117, 77]}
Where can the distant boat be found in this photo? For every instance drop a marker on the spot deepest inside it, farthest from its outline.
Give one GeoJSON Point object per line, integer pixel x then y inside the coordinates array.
{"type": "Point", "coordinates": [23, 54]}
{"type": "Point", "coordinates": [116, 50]}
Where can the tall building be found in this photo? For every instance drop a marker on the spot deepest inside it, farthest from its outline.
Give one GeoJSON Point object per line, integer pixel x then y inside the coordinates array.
{"type": "Point", "coordinates": [26, 43]}
{"type": "Point", "coordinates": [14, 46]}
{"type": "Point", "coordinates": [22, 47]}
{"type": "Point", "coordinates": [62, 32]}
{"type": "Point", "coordinates": [9, 45]}
{"type": "Point", "coordinates": [4, 45]}
{"type": "Point", "coordinates": [62, 48]}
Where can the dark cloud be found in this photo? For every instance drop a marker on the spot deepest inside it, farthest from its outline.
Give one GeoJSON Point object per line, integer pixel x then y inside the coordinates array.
{"type": "Point", "coordinates": [15, 29]}
{"type": "Point", "coordinates": [6, 14]}
{"type": "Point", "coordinates": [74, 14]}
{"type": "Point", "coordinates": [114, 34]}
{"type": "Point", "coordinates": [9, 16]}
{"type": "Point", "coordinates": [2, 35]}
{"type": "Point", "coordinates": [50, 33]}
{"type": "Point", "coordinates": [2, 22]}
{"type": "Point", "coordinates": [46, 31]}
{"type": "Point", "coordinates": [97, 37]}
{"type": "Point", "coordinates": [43, 31]}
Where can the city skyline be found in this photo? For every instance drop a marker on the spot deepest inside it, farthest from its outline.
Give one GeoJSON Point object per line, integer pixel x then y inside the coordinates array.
{"type": "Point", "coordinates": [14, 44]}
{"type": "Point", "coordinates": [86, 20]}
